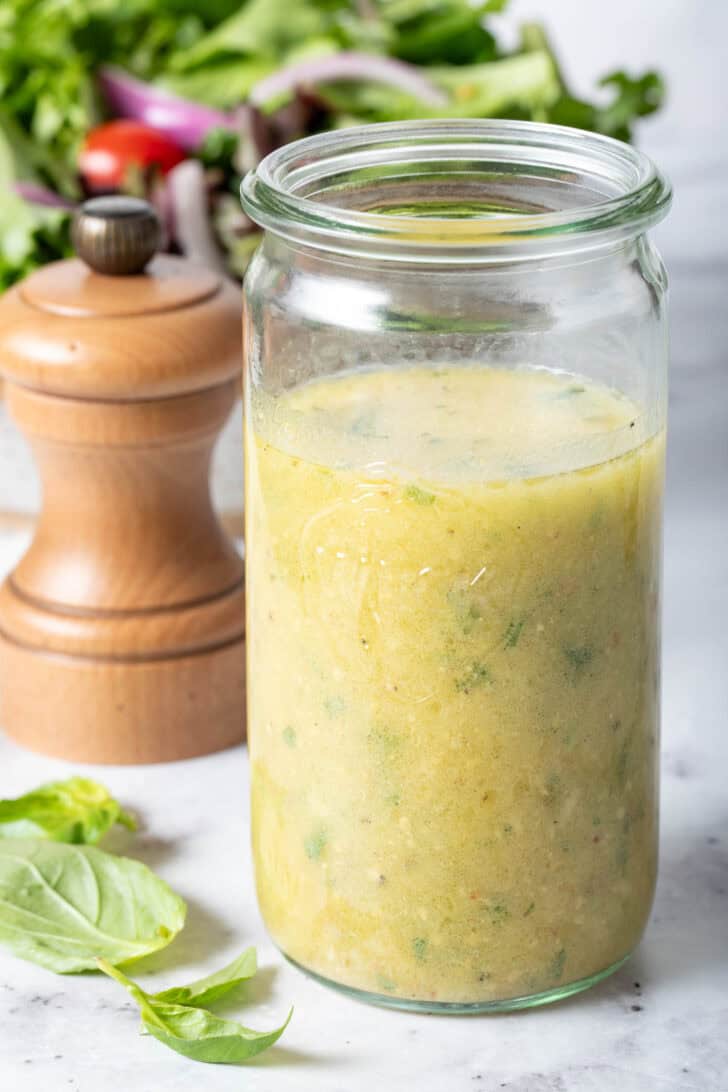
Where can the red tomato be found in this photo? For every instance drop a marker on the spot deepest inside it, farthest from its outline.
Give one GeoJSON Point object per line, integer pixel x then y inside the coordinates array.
{"type": "Point", "coordinates": [110, 150]}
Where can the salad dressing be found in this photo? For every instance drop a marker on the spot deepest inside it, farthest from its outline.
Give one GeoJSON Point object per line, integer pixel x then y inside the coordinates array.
{"type": "Point", "coordinates": [453, 660]}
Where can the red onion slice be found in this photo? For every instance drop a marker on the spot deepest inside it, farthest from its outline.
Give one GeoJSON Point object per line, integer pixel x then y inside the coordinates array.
{"type": "Point", "coordinates": [192, 228]}
{"type": "Point", "coordinates": [187, 123]}
{"type": "Point", "coordinates": [41, 195]}
{"type": "Point", "coordinates": [348, 65]}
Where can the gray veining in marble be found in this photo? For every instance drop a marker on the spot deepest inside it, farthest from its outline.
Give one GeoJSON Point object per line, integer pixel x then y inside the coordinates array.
{"type": "Point", "coordinates": [660, 1024]}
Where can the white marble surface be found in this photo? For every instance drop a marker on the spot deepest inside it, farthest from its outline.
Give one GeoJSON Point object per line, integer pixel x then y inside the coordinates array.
{"type": "Point", "coordinates": [670, 1033]}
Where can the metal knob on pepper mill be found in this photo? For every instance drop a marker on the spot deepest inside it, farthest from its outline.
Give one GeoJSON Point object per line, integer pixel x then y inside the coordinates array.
{"type": "Point", "coordinates": [122, 627]}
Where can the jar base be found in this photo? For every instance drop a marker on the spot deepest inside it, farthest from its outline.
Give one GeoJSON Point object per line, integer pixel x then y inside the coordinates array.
{"type": "Point", "coordinates": [458, 1008]}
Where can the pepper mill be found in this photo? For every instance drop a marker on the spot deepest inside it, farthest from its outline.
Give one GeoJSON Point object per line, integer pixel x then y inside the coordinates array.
{"type": "Point", "coordinates": [122, 627]}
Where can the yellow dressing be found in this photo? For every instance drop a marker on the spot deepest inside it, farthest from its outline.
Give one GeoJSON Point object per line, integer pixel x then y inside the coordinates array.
{"type": "Point", "coordinates": [453, 581]}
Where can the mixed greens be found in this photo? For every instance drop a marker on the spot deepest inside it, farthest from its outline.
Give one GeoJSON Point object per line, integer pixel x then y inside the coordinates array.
{"type": "Point", "coordinates": [71, 907]}
{"type": "Point", "coordinates": [225, 81]}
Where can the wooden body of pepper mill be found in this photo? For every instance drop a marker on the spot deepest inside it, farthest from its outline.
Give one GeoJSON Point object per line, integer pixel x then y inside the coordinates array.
{"type": "Point", "coordinates": [122, 627]}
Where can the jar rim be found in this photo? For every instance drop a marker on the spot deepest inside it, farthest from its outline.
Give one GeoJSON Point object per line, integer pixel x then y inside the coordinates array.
{"type": "Point", "coordinates": [290, 192]}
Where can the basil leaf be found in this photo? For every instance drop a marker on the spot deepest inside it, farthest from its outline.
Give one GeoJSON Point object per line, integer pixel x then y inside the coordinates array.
{"type": "Point", "coordinates": [77, 810]}
{"type": "Point", "coordinates": [194, 1032]}
{"type": "Point", "coordinates": [63, 906]}
{"type": "Point", "coordinates": [207, 990]}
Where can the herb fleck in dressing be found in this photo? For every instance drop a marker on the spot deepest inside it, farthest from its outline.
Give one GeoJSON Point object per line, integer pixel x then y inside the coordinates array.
{"type": "Point", "coordinates": [469, 658]}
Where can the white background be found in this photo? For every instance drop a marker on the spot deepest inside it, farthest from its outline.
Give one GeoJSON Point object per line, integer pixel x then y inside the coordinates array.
{"type": "Point", "coordinates": [687, 40]}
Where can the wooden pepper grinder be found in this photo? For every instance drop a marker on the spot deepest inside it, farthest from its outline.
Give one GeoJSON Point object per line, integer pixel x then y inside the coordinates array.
{"type": "Point", "coordinates": [122, 628]}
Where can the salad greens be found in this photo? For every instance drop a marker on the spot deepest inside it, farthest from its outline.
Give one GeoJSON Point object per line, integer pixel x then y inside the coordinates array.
{"type": "Point", "coordinates": [264, 72]}
{"type": "Point", "coordinates": [193, 1031]}
{"type": "Point", "coordinates": [77, 810]}
{"type": "Point", "coordinates": [64, 906]}
{"type": "Point", "coordinates": [30, 234]}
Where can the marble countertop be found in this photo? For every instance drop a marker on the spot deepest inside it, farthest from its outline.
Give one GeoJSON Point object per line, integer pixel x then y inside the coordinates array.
{"type": "Point", "coordinates": [661, 1022]}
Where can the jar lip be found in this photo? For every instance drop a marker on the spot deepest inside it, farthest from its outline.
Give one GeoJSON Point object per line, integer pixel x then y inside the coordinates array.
{"type": "Point", "coordinates": [629, 192]}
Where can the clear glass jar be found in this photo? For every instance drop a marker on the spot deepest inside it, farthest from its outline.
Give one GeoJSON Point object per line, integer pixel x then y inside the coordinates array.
{"type": "Point", "coordinates": [455, 412]}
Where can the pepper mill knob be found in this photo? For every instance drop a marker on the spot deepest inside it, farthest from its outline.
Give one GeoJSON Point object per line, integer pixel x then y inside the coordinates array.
{"type": "Point", "coordinates": [122, 627]}
{"type": "Point", "coordinates": [116, 235]}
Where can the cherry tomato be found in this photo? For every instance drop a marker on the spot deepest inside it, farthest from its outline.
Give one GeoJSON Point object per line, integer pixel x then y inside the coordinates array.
{"type": "Point", "coordinates": [112, 150]}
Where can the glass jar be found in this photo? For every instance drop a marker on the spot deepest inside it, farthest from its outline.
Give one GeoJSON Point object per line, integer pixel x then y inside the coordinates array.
{"type": "Point", "coordinates": [455, 412]}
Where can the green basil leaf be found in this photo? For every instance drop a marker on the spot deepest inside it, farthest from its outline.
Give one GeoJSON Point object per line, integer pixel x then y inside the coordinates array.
{"type": "Point", "coordinates": [77, 810]}
{"type": "Point", "coordinates": [194, 1032]}
{"type": "Point", "coordinates": [64, 906]}
{"type": "Point", "coordinates": [214, 986]}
